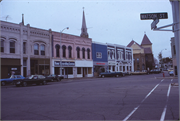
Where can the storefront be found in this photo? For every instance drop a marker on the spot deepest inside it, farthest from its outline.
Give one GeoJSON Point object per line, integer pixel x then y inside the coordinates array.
{"type": "Point", "coordinates": [9, 67]}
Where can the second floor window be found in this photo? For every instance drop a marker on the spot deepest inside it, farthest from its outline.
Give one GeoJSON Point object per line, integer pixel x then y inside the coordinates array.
{"type": "Point", "coordinates": [42, 49]}
{"type": "Point", "coordinates": [12, 46]}
{"type": "Point", "coordinates": [64, 50]}
{"type": "Point", "coordinates": [36, 49]}
{"type": "Point", "coordinates": [69, 49]}
{"type": "Point", "coordinates": [2, 45]}
{"type": "Point", "coordinates": [88, 53]}
{"type": "Point", "coordinates": [24, 47]}
{"type": "Point", "coordinates": [57, 50]}
{"type": "Point", "coordinates": [83, 53]}
{"type": "Point", "coordinates": [78, 52]}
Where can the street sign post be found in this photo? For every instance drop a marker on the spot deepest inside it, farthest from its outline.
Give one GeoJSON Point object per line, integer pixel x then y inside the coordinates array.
{"type": "Point", "coordinates": [147, 16]}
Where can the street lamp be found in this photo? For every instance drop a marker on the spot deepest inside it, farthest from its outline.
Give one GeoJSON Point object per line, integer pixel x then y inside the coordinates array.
{"type": "Point", "coordinates": [60, 51]}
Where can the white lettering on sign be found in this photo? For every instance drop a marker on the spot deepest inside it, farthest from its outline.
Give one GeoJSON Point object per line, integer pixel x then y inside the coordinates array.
{"type": "Point", "coordinates": [149, 16]}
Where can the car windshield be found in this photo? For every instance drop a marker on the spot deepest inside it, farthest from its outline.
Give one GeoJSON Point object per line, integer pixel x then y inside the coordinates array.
{"type": "Point", "coordinates": [30, 77]}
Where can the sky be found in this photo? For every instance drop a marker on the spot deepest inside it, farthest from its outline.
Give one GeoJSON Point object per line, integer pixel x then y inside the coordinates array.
{"type": "Point", "coordinates": [108, 21]}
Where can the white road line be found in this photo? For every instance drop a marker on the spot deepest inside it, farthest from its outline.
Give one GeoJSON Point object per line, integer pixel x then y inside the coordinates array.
{"type": "Point", "coordinates": [141, 102]}
{"type": "Point", "coordinates": [165, 108]}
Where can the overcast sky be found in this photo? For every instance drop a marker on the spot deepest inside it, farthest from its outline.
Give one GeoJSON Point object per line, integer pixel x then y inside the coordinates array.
{"type": "Point", "coordinates": [108, 21]}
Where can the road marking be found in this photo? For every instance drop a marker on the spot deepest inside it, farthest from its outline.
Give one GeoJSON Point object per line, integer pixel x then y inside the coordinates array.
{"type": "Point", "coordinates": [165, 108]}
{"type": "Point", "coordinates": [142, 101]}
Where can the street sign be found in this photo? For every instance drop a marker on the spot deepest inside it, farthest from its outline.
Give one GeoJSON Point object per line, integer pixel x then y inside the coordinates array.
{"type": "Point", "coordinates": [147, 16]}
{"type": "Point", "coordinates": [153, 24]}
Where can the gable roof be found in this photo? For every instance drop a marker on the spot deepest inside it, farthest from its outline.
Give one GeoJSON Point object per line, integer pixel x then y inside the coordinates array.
{"type": "Point", "coordinates": [146, 41]}
{"type": "Point", "coordinates": [132, 42]}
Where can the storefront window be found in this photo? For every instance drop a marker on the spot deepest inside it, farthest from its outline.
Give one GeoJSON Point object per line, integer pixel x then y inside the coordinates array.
{"type": "Point", "coordinates": [70, 70]}
{"type": "Point", "coordinates": [90, 70]}
{"type": "Point", "coordinates": [78, 70]}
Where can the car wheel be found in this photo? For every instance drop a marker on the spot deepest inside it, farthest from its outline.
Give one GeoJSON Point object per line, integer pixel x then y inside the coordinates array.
{"type": "Point", "coordinates": [102, 76]}
{"type": "Point", "coordinates": [58, 79]}
{"type": "Point", "coordinates": [117, 75]}
{"type": "Point", "coordinates": [52, 80]}
{"type": "Point", "coordinates": [123, 74]}
{"type": "Point", "coordinates": [44, 82]}
{"type": "Point", "coordinates": [24, 84]}
{"type": "Point", "coordinates": [3, 83]}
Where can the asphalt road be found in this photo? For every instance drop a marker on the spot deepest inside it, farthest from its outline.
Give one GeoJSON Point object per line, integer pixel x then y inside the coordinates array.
{"type": "Point", "coordinates": [135, 97]}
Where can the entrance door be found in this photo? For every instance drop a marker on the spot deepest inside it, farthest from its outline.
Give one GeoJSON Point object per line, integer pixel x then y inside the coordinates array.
{"type": "Point", "coordinates": [84, 72]}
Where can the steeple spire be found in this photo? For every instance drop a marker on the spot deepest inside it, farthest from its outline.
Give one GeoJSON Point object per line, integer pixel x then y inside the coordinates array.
{"type": "Point", "coordinates": [23, 19]}
{"type": "Point", "coordinates": [84, 28]}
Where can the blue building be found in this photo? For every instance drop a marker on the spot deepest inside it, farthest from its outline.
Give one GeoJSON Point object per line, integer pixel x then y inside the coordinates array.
{"type": "Point", "coordinates": [99, 56]}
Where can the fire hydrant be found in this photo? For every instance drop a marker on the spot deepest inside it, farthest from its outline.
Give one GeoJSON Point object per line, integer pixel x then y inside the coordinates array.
{"type": "Point", "coordinates": [163, 74]}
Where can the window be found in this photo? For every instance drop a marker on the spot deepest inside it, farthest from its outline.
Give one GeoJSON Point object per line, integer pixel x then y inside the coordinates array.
{"type": "Point", "coordinates": [98, 55]}
{"type": "Point", "coordinates": [89, 70]}
{"type": "Point", "coordinates": [137, 60]}
{"type": "Point", "coordinates": [88, 53]}
{"type": "Point", "coordinates": [36, 49]}
{"type": "Point", "coordinates": [64, 50]}
{"type": "Point", "coordinates": [109, 56]}
{"type": "Point", "coordinates": [112, 54]}
{"type": "Point", "coordinates": [42, 49]}
{"type": "Point", "coordinates": [113, 68]}
{"type": "Point", "coordinates": [12, 46]}
{"type": "Point", "coordinates": [78, 52]}
{"type": "Point", "coordinates": [57, 50]}
{"type": "Point", "coordinates": [69, 49]}
{"type": "Point", "coordinates": [70, 70]}
{"type": "Point", "coordinates": [174, 49]}
{"type": "Point", "coordinates": [83, 53]}
{"type": "Point", "coordinates": [78, 70]}
{"type": "Point", "coordinates": [2, 45]}
{"type": "Point", "coordinates": [24, 47]}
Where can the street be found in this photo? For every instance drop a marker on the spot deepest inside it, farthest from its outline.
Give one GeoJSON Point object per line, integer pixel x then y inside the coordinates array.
{"type": "Point", "coordinates": [135, 97]}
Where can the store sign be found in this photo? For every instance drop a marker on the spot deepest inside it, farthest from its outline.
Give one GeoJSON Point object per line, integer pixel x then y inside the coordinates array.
{"type": "Point", "coordinates": [13, 68]}
{"type": "Point", "coordinates": [100, 63]}
{"type": "Point", "coordinates": [57, 63]}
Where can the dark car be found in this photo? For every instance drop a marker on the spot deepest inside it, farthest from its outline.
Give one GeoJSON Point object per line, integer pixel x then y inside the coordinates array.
{"type": "Point", "coordinates": [11, 79]}
{"type": "Point", "coordinates": [33, 79]}
{"type": "Point", "coordinates": [111, 74]}
{"type": "Point", "coordinates": [54, 77]}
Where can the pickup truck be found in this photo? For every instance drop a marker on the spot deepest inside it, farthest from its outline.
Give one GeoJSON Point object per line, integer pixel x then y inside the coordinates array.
{"type": "Point", "coordinates": [111, 74]}
{"type": "Point", "coordinates": [11, 79]}
{"type": "Point", "coordinates": [33, 79]}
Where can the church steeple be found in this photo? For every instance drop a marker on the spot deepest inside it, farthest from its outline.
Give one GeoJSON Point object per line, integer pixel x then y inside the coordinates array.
{"type": "Point", "coordinates": [23, 19]}
{"type": "Point", "coordinates": [84, 28]}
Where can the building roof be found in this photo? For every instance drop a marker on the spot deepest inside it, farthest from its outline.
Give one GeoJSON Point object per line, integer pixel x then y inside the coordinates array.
{"type": "Point", "coordinates": [133, 42]}
{"type": "Point", "coordinates": [146, 40]}
{"type": "Point", "coordinates": [147, 50]}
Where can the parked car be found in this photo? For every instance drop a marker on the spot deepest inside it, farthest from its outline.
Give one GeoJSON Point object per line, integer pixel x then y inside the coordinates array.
{"type": "Point", "coordinates": [155, 71]}
{"type": "Point", "coordinates": [111, 74]}
{"type": "Point", "coordinates": [33, 79]}
{"type": "Point", "coordinates": [171, 73]}
{"type": "Point", "coordinates": [54, 77]}
{"type": "Point", "coordinates": [11, 79]}
{"type": "Point", "coordinates": [139, 72]}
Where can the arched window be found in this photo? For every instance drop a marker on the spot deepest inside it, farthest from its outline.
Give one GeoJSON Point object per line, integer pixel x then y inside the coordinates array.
{"type": "Point", "coordinates": [78, 52]}
{"type": "Point", "coordinates": [57, 50]}
{"type": "Point", "coordinates": [69, 49]}
{"type": "Point", "coordinates": [12, 46]}
{"type": "Point", "coordinates": [83, 53]}
{"type": "Point", "coordinates": [2, 45]}
{"type": "Point", "coordinates": [64, 50]}
{"type": "Point", "coordinates": [88, 53]}
{"type": "Point", "coordinates": [42, 49]}
{"type": "Point", "coordinates": [36, 49]}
